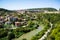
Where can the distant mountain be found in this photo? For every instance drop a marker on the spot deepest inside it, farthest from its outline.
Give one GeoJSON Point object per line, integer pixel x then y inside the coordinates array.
{"type": "Point", "coordinates": [48, 9]}
{"type": "Point", "coordinates": [37, 9]}
{"type": "Point", "coordinates": [5, 11]}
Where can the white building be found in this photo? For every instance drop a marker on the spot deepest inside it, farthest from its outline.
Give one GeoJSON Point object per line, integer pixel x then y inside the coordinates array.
{"type": "Point", "coordinates": [51, 11]}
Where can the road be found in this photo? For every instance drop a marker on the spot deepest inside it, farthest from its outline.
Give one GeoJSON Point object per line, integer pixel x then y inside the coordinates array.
{"type": "Point", "coordinates": [46, 33]}
{"type": "Point", "coordinates": [29, 35]}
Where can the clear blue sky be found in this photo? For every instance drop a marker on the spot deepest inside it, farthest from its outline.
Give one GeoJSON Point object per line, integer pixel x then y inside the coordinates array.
{"type": "Point", "coordinates": [24, 4]}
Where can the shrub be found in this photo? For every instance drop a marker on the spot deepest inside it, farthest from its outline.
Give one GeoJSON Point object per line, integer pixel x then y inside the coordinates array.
{"type": "Point", "coordinates": [11, 36]}
{"type": "Point", "coordinates": [3, 33]}
{"type": "Point", "coordinates": [24, 39]}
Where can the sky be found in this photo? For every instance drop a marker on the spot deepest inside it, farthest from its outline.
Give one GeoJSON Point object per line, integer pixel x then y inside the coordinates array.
{"type": "Point", "coordinates": [26, 4]}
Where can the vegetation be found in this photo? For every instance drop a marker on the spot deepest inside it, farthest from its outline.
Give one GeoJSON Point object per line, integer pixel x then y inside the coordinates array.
{"type": "Point", "coordinates": [54, 35]}
{"type": "Point", "coordinates": [41, 33]}
{"type": "Point", "coordinates": [11, 36]}
{"type": "Point", "coordinates": [5, 11]}
{"type": "Point", "coordinates": [49, 9]}
{"type": "Point", "coordinates": [3, 32]}
{"type": "Point", "coordinates": [30, 21]}
{"type": "Point", "coordinates": [53, 18]}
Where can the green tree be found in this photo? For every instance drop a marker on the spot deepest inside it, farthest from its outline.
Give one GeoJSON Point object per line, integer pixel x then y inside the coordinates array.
{"type": "Point", "coordinates": [11, 36]}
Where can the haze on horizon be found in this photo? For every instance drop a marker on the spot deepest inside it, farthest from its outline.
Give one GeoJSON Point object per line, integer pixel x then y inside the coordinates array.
{"type": "Point", "coordinates": [26, 4]}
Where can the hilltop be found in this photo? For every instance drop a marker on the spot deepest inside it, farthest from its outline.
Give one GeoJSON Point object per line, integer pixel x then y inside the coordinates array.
{"type": "Point", "coordinates": [49, 9]}
{"type": "Point", "coordinates": [6, 11]}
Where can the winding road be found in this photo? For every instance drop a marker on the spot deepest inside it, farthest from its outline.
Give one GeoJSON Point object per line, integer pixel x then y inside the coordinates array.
{"type": "Point", "coordinates": [29, 35]}
{"type": "Point", "coordinates": [46, 33]}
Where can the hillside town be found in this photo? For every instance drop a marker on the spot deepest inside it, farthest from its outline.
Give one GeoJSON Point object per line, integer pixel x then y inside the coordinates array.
{"type": "Point", "coordinates": [20, 23]}
{"type": "Point", "coordinates": [29, 19]}
{"type": "Point", "coordinates": [18, 20]}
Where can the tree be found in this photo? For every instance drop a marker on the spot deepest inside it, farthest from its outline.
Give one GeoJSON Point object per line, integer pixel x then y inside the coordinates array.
{"type": "Point", "coordinates": [11, 36]}
{"type": "Point", "coordinates": [3, 32]}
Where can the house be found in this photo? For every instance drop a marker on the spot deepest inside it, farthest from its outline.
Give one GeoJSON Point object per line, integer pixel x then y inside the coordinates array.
{"type": "Point", "coordinates": [8, 23]}
{"type": "Point", "coordinates": [1, 18]}
{"type": "Point", "coordinates": [21, 11]}
{"type": "Point", "coordinates": [51, 11]}
{"type": "Point", "coordinates": [17, 24]}
{"type": "Point", "coordinates": [11, 18]}
{"type": "Point", "coordinates": [1, 21]}
{"type": "Point", "coordinates": [19, 19]}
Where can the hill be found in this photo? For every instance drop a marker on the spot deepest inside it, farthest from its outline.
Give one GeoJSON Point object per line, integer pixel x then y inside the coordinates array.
{"type": "Point", "coordinates": [48, 9]}
{"type": "Point", "coordinates": [5, 11]}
